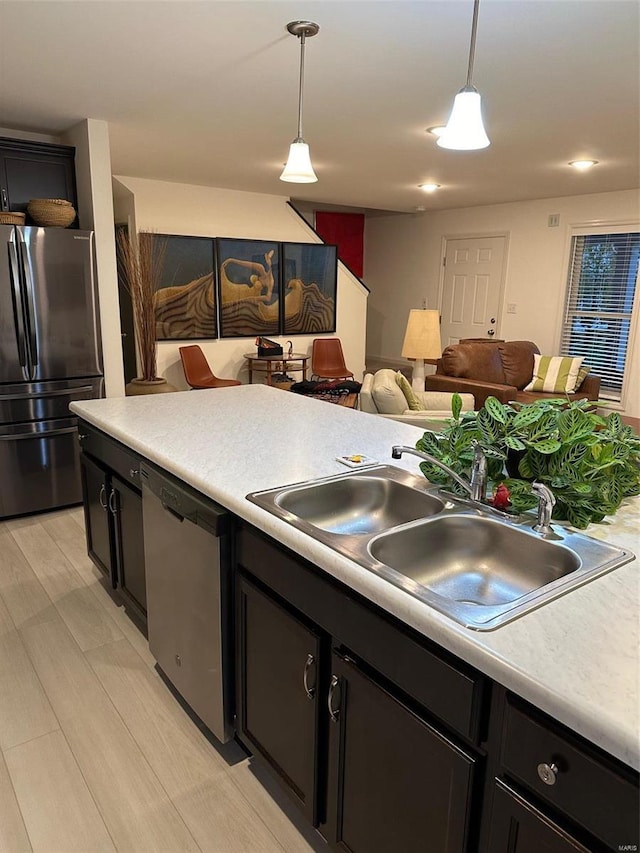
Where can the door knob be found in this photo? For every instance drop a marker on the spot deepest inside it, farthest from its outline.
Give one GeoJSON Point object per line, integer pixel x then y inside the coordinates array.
{"type": "Point", "coordinates": [491, 332]}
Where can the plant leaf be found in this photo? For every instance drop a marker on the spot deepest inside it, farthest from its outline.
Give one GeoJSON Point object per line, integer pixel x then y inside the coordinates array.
{"type": "Point", "coordinates": [526, 416]}
{"type": "Point", "coordinates": [456, 405]}
{"type": "Point", "coordinates": [430, 443]}
{"type": "Point", "coordinates": [546, 446]}
{"type": "Point", "coordinates": [495, 409]}
{"type": "Point", "coordinates": [515, 443]}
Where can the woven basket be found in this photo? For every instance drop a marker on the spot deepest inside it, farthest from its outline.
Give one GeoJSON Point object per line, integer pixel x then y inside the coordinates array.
{"type": "Point", "coordinates": [7, 217]}
{"type": "Point", "coordinates": [51, 211]}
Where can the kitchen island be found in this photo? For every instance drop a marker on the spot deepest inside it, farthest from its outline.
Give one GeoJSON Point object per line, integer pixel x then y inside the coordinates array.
{"type": "Point", "coordinates": [575, 658]}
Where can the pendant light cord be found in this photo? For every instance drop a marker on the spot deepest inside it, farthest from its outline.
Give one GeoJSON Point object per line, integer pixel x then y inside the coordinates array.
{"type": "Point", "coordinates": [472, 47]}
{"type": "Point", "coordinates": [301, 88]}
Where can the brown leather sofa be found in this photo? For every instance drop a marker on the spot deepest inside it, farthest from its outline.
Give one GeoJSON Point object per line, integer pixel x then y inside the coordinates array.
{"type": "Point", "coordinates": [498, 368]}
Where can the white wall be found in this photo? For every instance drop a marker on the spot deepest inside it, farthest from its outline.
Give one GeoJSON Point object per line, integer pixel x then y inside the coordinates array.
{"type": "Point", "coordinates": [95, 209]}
{"type": "Point", "coordinates": [404, 267]}
{"type": "Point", "coordinates": [204, 211]}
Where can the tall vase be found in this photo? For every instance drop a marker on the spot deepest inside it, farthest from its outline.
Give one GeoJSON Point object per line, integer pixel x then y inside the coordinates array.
{"type": "Point", "coordinates": [148, 386]}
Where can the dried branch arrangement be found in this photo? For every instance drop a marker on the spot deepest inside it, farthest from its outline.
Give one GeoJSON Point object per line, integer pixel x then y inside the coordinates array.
{"type": "Point", "coordinates": [140, 261]}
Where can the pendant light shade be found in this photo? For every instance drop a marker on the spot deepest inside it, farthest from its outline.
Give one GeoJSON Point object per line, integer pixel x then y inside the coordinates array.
{"type": "Point", "coordinates": [298, 169]}
{"type": "Point", "coordinates": [465, 129]}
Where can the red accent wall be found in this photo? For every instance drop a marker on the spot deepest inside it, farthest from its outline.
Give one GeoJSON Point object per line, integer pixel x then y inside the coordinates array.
{"type": "Point", "coordinates": [346, 231]}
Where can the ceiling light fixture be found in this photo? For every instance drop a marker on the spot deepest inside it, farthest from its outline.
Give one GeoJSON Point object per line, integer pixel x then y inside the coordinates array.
{"type": "Point", "coordinates": [582, 165]}
{"type": "Point", "coordinates": [298, 169]}
{"type": "Point", "coordinates": [465, 130]}
{"type": "Point", "coordinates": [429, 188]}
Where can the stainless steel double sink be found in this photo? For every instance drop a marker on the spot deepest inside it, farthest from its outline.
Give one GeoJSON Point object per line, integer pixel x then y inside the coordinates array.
{"type": "Point", "coordinates": [477, 569]}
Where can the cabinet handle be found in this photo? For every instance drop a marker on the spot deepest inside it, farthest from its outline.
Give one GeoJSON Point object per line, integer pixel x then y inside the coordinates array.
{"type": "Point", "coordinates": [333, 712]}
{"type": "Point", "coordinates": [113, 506]}
{"type": "Point", "coordinates": [5, 199]}
{"type": "Point", "coordinates": [82, 436]}
{"type": "Point", "coordinates": [133, 473]}
{"type": "Point", "coordinates": [310, 691]}
{"type": "Point", "coordinates": [102, 497]}
{"type": "Point", "coordinates": [548, 773]}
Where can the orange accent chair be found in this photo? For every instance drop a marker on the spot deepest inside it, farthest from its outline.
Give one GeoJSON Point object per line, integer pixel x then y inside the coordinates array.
{"type": "Point", "coordinates": [327, 360]}
{"type": "Point", "coordinates": [197, 371]}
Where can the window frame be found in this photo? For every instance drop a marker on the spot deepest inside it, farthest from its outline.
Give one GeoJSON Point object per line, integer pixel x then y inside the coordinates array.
{"type": "Point", "coordinates": [594, 229]}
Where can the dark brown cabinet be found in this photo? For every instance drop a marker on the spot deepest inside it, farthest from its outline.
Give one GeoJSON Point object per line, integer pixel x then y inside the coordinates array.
{"type": "Point", "coordinates": [364, 760]}
{"type": "Point", "coordinates": [95, 490]}
{"type": "Point", "coordinates": [394, 780]}
{"type": "Point", "coordinates": [278, 669]}
{"type": "Point", "coordinates": [35, 170]}
{"type": "Point", "coordinates": [113, 516]}
{"type": "Point", "coordinates": [518, 827]}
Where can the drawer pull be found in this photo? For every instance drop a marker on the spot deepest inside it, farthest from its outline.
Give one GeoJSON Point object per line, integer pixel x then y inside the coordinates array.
{"type": "Point", "coordinates": [548, 773]}
{"type": "Point", "coordinates": [305, 676]}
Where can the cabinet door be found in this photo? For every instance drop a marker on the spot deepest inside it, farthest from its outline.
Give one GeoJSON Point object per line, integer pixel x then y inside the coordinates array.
{"type": "Point", "coordinates": [95, 491]}
{"type": "Point", "coordinates": [395, 783]}
{"type": "Point", "coordinates": [278, 692]}
{"type": "Point", "coordinates": [518, 827]}
{"type": "Point", "coordinates": [36, 170]}
{"type": "Point", "coordinates": [125, 505]}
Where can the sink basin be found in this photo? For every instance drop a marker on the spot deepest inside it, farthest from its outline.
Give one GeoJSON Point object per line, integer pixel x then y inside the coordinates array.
{"type": "Point", "coordinates": [357, 504]}
{"type": "Point", "coordinates": [473, 559]}
{"type": "Point", "coordinates": [477, 570]}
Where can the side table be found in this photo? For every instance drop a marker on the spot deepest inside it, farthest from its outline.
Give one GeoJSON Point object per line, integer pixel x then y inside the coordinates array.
{"type": "Point", "coordinates": [294, 363]}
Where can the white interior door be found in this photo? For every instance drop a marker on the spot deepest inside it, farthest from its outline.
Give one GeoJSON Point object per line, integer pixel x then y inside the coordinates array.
{"type": "Point", "coordinates": [472, 288]}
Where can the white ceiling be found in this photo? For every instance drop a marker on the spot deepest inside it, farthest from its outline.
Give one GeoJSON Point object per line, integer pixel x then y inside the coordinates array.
{"type": "Point", "coordinates": [206, 92]}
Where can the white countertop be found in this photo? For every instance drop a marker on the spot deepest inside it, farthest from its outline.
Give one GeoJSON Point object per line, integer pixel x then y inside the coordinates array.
{"type": "Point", "coordinates": [575, 658]}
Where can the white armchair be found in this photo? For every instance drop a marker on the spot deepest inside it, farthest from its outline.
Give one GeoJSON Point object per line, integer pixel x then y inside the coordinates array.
{"type": "Point", "coordinates": [381, 395]}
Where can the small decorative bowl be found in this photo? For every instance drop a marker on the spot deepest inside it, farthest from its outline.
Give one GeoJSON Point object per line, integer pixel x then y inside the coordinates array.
{"type": "Point", "coordinates": [10, 217]}
{"type": "Point", "coordinates": [51, 211]}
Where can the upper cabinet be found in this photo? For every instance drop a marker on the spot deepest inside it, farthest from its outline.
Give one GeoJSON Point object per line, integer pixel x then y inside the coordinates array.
{"type": "Point", "coordinates": [35, 170]}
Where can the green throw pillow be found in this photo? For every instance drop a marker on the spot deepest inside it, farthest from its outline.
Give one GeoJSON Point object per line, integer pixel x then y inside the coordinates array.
{"type": "Point", "coordinates": [582, 375]}
{"type": "Point", "coordinates": [555, 374]}
{"type": "Point", "coordinates": [413, 402]}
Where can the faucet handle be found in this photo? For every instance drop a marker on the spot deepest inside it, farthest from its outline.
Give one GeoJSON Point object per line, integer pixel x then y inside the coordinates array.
{"type": "Point", "coordinates": [546, 503]}
{"type": "Point", "coordinates": [544, 493]}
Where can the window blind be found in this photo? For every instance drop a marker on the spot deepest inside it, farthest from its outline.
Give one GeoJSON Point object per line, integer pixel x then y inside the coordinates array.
{"type": "Point", "coordinates": [603, 273]}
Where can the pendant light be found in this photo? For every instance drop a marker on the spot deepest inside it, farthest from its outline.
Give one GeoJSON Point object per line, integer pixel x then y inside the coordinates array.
{"type": "Point", "coordinates": [465, 130]}
{"type": "Point", "coordinates": [298, 169]}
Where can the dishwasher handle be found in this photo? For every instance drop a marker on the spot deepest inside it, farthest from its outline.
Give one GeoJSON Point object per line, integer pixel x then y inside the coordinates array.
{"type": "Point", "coordinates": [183, 502]}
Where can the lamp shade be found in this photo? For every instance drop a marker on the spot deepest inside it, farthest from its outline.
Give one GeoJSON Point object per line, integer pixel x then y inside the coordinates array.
{"type": "Point", "coordinates": [298, 169]}
{"type": "Point", "coordinates": [422, 338]}
{"type": "Point", "coordinates": [465, 130]}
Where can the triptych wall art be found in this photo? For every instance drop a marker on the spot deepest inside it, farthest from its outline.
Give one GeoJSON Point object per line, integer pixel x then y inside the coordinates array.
{"type": "Point", "coordinates": [233, 288]}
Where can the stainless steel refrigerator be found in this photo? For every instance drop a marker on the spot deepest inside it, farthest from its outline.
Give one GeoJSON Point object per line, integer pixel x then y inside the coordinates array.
{"type": "Point", "coordinates": [50, 354]}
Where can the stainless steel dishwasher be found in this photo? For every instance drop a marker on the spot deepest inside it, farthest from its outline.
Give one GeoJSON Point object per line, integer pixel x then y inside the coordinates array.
{"type": "Point", "coordinates": [186, 545]}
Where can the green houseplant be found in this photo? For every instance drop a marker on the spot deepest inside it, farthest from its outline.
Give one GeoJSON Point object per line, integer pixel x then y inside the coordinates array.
{"type": "Point", "coordinates": [590, 462]}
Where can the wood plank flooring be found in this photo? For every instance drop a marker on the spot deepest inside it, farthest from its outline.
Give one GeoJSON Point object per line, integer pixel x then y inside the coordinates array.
{"type": "Point", "coordinates": [96, 753]}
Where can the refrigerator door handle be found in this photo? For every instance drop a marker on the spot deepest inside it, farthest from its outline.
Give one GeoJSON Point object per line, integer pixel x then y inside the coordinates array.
{"type": "Point", "coordinates": [32, 435]}
{"type": "Point", "coordinates": [31, 319]}
{"type": "Point", "coordinates": [60, 392]}
{"type": "Point", "coordinates": [17, 306]}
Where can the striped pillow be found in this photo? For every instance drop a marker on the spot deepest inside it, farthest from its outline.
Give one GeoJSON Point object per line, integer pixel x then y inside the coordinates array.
{"type": "Point", "coordinates": [554, 374]}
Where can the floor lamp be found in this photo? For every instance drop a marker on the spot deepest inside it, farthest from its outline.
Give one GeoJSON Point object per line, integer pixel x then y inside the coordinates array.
{"type": "Point", "coordinates": [421, 341]}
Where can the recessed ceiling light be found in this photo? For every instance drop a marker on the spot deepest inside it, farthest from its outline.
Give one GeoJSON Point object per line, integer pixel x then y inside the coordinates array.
{"type": "Point", "coordinates": [438, 130]}
{"type": "Point", "coordinates": [429, 188]}
{"type": "Point", "coordinates": [582, 165]}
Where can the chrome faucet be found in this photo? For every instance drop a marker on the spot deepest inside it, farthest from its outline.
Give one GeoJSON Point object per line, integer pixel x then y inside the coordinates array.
{"type": "Point", "coordinates": [546, 503]}
{"type": "Point", "coordinates": [476, 487]}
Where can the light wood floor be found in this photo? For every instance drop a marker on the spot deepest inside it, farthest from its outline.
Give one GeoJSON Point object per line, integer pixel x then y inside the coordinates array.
{"type": "Point", "coordinates": [96, 752]}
